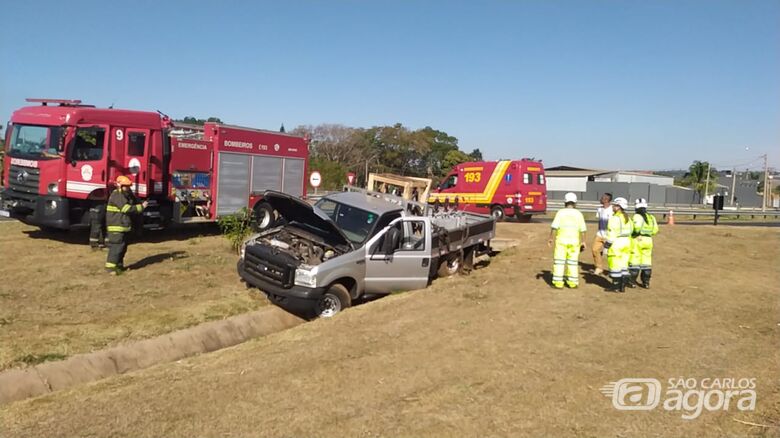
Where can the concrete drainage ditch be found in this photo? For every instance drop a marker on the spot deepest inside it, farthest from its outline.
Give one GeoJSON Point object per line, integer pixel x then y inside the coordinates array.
{"type": "Point", "coordinates": [19, 384]}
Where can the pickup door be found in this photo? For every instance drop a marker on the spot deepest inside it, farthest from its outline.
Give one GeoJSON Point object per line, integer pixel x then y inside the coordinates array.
{"type": "Point", "coordinates": [399, 257]}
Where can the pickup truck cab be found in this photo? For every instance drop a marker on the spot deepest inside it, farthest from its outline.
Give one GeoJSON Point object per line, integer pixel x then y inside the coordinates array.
{"type": "Point", "coordinates": [352, 244]}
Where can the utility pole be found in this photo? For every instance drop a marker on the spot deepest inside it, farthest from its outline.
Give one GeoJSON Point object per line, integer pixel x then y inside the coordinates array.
{"type": "Point", "coordinates": [733, 183]}
{"type": "Point", "coordinates": [766, 183]}
{"type": "Point", "coordinates": [707, 184]}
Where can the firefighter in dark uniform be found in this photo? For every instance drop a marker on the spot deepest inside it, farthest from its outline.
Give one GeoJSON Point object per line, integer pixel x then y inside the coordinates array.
{"type": "Point", "coordinates": [122, 204]}
{"type": "Point", "coordinates": [97, 218]}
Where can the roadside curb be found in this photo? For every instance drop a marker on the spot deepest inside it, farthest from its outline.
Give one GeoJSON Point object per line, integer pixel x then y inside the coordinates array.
{"type": "Point", "coordinates": [19, 384]}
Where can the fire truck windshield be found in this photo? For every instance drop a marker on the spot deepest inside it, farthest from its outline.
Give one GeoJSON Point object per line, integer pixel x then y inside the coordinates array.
{"type": "Point", "coordinates": [37, 142]}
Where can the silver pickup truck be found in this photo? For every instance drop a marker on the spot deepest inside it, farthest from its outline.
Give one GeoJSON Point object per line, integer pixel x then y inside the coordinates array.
{"type": "Point", "coordinates": [351, 244]}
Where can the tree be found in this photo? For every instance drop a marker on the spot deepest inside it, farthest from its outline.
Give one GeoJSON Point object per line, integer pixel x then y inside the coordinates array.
{"type": "Point", "coordinates": [439, 144]}
{"type": "Point", "coordinates": [334, 174]}
{"type": "Point", "coordinates": [696, 178]}
{"type": "Point", "coordinates": [337, 143]}
{"type": "Point", "coordinates": [195, 121]}
{"type": "Point", "coordinates": [386, 149]}
{"type": "Point", "coordinates": [454, 158]}
{"type": "Point", "coordinates": [476, 155]}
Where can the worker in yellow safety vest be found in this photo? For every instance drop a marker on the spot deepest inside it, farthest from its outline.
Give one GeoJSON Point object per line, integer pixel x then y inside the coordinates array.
{"type": "Point", "coordinates": [619, 230]}
{"type": "Point", "coordinates": [121, 205]}
{"type": "Point", "coordinates": [645, 227]}
{"type": "Point", "coordinates": [568, 233]}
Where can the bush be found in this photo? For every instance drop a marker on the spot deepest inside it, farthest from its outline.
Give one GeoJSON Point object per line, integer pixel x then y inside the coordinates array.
{"type": "Point", "coordinates": [237, 227]}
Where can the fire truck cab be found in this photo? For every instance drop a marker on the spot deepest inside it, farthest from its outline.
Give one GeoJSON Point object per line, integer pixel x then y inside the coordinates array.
{"type": "Point", "coordinates": [62, 158]}
{"type": "Point", "coordinates": [499, 188]}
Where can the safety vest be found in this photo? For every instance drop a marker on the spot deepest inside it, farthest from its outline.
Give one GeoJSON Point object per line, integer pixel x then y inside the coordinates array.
{"type": "Point", "coordinates": [120, 207]}
{"type": "Point", "coordinates": [617, 227]}
{"type": "Point", "coordinates": [569, 223]}
{"type": "Point", "coordinates": [642, 228]}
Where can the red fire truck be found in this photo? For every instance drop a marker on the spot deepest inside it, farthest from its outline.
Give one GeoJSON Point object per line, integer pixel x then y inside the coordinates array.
{"type": "Point", "coordinates": [62, 158]}
{"type": "Point", "coordinates": [501, 188]}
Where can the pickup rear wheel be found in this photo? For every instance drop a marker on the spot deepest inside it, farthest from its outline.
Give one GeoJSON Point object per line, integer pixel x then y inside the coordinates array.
{"type": "Point", "coordinates": [333, 301]}
{"type": "Point", "coordinates": [450, 266]}
{"type": "Point", "coordinates": [497, 212]}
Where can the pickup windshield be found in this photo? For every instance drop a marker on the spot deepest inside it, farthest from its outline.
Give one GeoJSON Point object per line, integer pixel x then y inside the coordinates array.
{"type": "Point", "coordinates": [355, 223]}
{"type": "Point", "coordinates": [37, 142]}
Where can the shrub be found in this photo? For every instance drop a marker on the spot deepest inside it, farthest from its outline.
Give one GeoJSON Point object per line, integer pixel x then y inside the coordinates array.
{"type": "Point", "coordinates": [237, 227]}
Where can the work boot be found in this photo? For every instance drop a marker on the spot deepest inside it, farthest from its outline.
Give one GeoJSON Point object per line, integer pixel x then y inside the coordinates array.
{"type": "Point", "coordinates": [631, 281]}
{"type": "Point", "coordinates": [615, 286]}
{"type": "Point", "coordinates": [646, 278]}
{"type": "Point", "coordinates": [598, 271]}
{"type": "Point", "coordinates": [623, 281]}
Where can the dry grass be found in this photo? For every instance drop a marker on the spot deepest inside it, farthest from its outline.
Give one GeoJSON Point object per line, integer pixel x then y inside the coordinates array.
{"type": "Point", "coordinates": [56, 301]}
{"type": "Point", "coordinates": [497, 353]}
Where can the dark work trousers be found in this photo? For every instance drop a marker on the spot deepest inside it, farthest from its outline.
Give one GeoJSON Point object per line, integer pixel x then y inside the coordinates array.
{"type": "Point", "coordinates": [97, 220]}
{"type": "Point", "coordinates": [117, 248]}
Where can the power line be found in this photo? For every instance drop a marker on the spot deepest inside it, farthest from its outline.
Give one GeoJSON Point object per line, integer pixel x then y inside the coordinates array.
{"type": "Point", "coordinates": [759, 158]}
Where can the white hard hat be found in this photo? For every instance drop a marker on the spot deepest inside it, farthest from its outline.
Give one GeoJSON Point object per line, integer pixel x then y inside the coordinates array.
{"type": "Point", "coordinates": [570, 197]}
{"type": "Point", "coordinates": [621, 202]}
{"type": "Point", "coordinates": [641, 203]}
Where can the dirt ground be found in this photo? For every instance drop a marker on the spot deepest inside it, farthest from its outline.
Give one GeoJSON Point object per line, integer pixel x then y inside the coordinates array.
{"type": "Point", "coordinates": [496, 353]}
{"type": "Point", "coordinates": [56, 300]}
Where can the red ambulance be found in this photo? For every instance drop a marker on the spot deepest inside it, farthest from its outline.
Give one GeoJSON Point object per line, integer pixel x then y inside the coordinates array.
{"type": "Point", "coordinates": [500, 188]}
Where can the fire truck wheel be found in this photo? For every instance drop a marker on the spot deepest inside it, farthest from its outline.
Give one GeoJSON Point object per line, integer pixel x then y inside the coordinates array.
{"type": "Point", "coordinates": [333, 301]}
{"type": "Point", "coordinates": [497, 212]}
{"type": "Point", "coordinates": [449, 266]}
{"type": "Point", "coordinates": [264, 216]}
{"type": "Point", "coordinates": [524, 218]}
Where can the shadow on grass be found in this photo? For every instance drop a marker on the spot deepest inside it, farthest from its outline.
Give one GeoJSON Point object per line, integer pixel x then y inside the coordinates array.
{"type": "Point", "coordinates": [586, 273]}
{"type": "Point", "coordinates": [157, 258]}
{"type": "Point", "coordinates": [546, 276]}
{"type": "Point", "coordinates": [80, 235]}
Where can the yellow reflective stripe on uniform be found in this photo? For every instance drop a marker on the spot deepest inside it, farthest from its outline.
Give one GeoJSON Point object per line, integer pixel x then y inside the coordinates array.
{"type": "Point", "coordinates": [110, 265]}
{"type": "Point", "coordinates": [113, 209]}
{"type": "Point", "coordinates": [139, 208]}
{"type": "Point", "coordinates": [647, 228]}
{"type": "Point", "coordinates": [126, 208]}
{"type": "Point", "coordinates": [117, 229]}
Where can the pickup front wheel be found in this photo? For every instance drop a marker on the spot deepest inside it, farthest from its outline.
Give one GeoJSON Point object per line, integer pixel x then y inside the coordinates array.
{"type": "Point", "coordinates": [333, 301]}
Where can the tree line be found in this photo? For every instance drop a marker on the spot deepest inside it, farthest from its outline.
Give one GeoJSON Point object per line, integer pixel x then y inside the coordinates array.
{"type": "Point", "coordinates": [337, 149]}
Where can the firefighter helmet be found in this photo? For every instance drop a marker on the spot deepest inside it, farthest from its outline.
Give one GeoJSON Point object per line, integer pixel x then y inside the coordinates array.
{"type": "Point", "coordinates": [641, 203]}
{"type": "Point", "coordinates": [122, 180]}
{"type": "Point", "coordinates": [570, 197]}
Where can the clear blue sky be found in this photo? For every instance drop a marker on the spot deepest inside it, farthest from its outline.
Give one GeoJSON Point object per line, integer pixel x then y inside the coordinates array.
{"type": "Point", "coordinates": [610, 84]}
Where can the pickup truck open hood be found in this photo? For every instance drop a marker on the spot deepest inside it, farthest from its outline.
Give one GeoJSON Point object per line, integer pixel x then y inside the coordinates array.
{"type": "Point", "coordinates": [295, 209]}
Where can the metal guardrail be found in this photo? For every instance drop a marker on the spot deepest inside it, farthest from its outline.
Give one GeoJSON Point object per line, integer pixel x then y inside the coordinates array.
{"type": "Point", "coordinates": [686, 210]}
{"type": "Point", "coordinates": [663, 211]}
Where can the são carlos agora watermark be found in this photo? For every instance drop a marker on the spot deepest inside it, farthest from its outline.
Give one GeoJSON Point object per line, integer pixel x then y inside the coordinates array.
{"type": "Point", "coordinates": [687, 395]}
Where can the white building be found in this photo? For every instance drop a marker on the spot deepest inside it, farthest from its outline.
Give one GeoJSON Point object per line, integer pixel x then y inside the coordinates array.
{"type": "Point", "coordinates": [635, 177]}
{"type": "Point", "coordinates": [573, 179]}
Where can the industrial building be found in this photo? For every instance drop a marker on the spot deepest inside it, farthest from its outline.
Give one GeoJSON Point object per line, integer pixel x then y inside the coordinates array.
{"type": "Point", "coordinates": [590, 184]}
